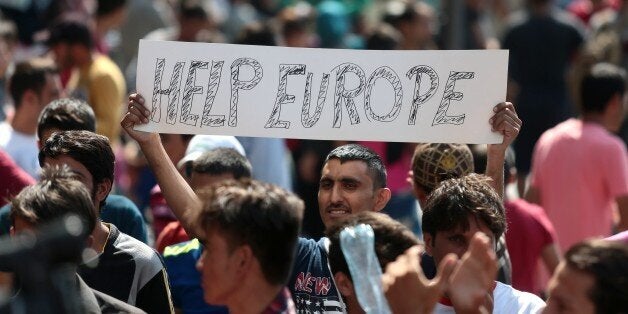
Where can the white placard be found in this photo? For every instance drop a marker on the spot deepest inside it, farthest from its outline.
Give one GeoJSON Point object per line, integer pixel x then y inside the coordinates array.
{"type": "Point", "coordinates": [332, 94]}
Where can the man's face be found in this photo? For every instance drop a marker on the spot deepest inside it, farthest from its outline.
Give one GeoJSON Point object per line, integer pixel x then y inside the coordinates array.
{"type": "Point", "coordinates": [217, 266]}
{"type": "Point", "coordinates": [346, 188]}
{"type": "Point", "coordinates": [568, 292]}
{"type": "Point", "coordinates": [79, 170]}
{"type": "Point", "coordinates": [62, 56]}
{"type": "Point", "coordinates": [455, 241]}
{"type": "Point", "coordinates": [51, 91]}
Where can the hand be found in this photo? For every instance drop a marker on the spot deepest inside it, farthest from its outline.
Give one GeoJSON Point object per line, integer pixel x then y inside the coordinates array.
{"type": "Point", "coordinates": [470, 284]}
{"type": "Point", "coordinates": [137, 114]}
{"type": "Point", "coordinates": [507, 122]}
{"type": "Point", "coordinates": [404, 277]}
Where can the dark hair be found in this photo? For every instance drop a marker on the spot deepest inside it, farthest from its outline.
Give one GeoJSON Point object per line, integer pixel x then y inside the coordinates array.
{"type": "Point", "coordinates": [70, 32]}
{"type": "Point", "coordinates": [479, 152]}
{"type": "Point", "coordinates": [260, 215]}
{"type": "Point", "coordinates": [29, 75]}
{"type": "Point", "coordinates": [450, 204]}
{"type": "Point", "coordinates": [374, 164]}
{"type": "Point", "coordinates": [391, 239]}
{"type": "Point", "coordinates": [259, 34]}
{"type": "Point", "coordinates": [105, 7]}
{"type": "Point", "coordinates": [192, 9]}
{"type": "Point", "coordinates": [600, 84]}
{"type": "Point", "coordinates": [384, 37]}
{"type": "Point", "coordinates": [57, 194]}
{"type": "Point", "coordinates": [223, 160]}
{"type": "Point", "coordinates": [66, 114]}
{"type": "Point", "coordinates": [397, 12]}
{"type": "Point", "coordinates": [606, 261]}
{"type": "Point", "coordinates": [90, 149]}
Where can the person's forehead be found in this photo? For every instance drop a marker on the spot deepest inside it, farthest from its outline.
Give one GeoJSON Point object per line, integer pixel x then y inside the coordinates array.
{"type": "Point", "coordinates": [474, 224]}
{"type": "Point", "coordinates": [355, 167]}
{"type": "Point", "coordinates": [73, 164]}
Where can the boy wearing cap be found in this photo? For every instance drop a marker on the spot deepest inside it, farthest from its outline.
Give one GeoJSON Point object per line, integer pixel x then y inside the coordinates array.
{"type": "Point", "coordinates": [436, 162]}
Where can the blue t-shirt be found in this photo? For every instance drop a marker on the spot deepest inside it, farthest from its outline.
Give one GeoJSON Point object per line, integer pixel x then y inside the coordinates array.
{"type": "Point", "coordinates": [311, 284]}
{"type": "Point", "coordinates": [118, 210]}
{"type": "Point", "coordinates": [185, 281]}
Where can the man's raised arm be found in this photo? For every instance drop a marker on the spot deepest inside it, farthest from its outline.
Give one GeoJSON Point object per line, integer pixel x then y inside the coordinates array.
{"type": "Point", "coordinates": [507, 122]}
{"type": "Point", "coordinates": [179, 195]}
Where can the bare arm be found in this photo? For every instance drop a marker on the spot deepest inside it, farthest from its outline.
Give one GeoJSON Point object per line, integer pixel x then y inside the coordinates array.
{"type": "Point", "coordinates": [179, 195]}
{"type": "Point", "coordinates": [533, 195]}
{"type": "Point", "coordinates": [622, 207]}
{"type": "Point", "coordinates": [551, 257]}
{"type": "Point", "coordinates": [507, 122]}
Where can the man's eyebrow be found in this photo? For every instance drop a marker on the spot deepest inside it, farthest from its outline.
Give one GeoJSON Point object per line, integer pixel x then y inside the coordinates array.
{"type": "Point", "coordinates": [349, 180]}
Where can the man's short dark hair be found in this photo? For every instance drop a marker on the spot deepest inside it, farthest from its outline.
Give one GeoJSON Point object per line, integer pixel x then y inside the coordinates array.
{"type": "Point", "coordinates": [66, 114]}
{"type": "Point", "coordinates": [30, 75]}
{"type": "Point", "coordinates": [57, 194]}
{"type": "Point", "coordinates": [90, 149]}
{"type": "Point", "coordinates": [223, 161]}
{"type": "Point", "coordinates": [606, 261]}
{"type": "Point", "coordinates": [70, 32]}
{"type": "Point", "coordinates": [374, 164]}
{"type": "Point", "coordinates": [260, 215]}
{"type": "Point", "coordinates": [453, 201]}
{"type": "Point", "coordinates": [105, 7]}
{"type": "Point", "coordinates": [600, 84]}
{"type": "Point", "coordinates": [391, 239]}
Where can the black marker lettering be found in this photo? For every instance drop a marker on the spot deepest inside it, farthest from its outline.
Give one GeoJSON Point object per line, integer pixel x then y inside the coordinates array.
{"type": "Point", "coordinates": [237, 85]}
{"type": "Point", "coordinates": [282, 96]}
{"type": "Point", "coordinates": [441, 116]}
{"type": "Point", "coordinates": [389, 75]}
{"type": "Point", "coordinates": [419, 99]}
{"type": "Point", "coordinates": [172, 92]}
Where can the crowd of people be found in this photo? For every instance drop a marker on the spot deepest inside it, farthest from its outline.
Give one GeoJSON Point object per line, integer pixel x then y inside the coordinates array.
{"type": "Point", "coordinates": [132, 222]}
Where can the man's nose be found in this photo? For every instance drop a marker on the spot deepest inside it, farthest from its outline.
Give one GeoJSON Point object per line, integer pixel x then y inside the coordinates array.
{"type": "Point", "coordinates": [336, 194]}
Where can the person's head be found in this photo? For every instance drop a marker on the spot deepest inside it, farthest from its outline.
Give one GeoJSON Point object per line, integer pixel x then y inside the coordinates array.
{"type": "Point", "coordinates": [250, 232]}
{"type": "Point", "coordinates": [71, 42]}
{"type": "Point", "coordinates": [456, 210]}
{"type": "Point", "coordinates": [353, 179]}
{"type": "Point", "coordinates": [56, 195]}
{"type": "Point", "coordinates": [187, 148]}
{"type": "Point", "coordinates": [297, 24]}
{"type": "Point", "coordinates": [217, 165]}
{"type": "Point", "coordinates": [384, 37]}
{"type": "Point", "coordinates": [33, 84]}
{"type": "Point", "coordinates": [602, 93]}
{"type": "Point", "coordinates": [593, 278]}
{"type": "Point", "coordinates": [258, 34]}
{"type": "Point", "coordinates": [433, 163]}
{"type": "Point", "coordinates": [391, 239]}
{"type": "Point", "coordinates": [89, 156]}
{"type": "Point", "coordinates": [110, 13]}
{"type": "Point", "coordinates": [175, 145]}
{"type": "Point", "coordinates": [65, 114]}
{"type": "Point", "coordinates": [193, 19]}
{"type": "Point", "coordinates": [413, 20]}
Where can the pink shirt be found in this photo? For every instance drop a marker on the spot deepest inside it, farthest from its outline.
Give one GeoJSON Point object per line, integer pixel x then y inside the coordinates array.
{"type": "Point", "coordinates": [579, 169]}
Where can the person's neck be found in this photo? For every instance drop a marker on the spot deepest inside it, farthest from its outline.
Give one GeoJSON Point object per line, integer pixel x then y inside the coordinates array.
{"type": "Point", "coordinates": [101, 235]}
{"type": "Point", "coordinates": [23, 122]}
{"type": "Point", "coordinates": [254, 296]}
{"type": "Point", "coordinates": [594, 118]}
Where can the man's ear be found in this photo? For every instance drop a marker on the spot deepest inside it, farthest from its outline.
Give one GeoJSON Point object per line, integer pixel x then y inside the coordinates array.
{"type": "Point", "coordinates": [102, 190]}
{"type": "Point", "coordinates": [243, 259]}
{"type": "Point", "coordinates": [429, 241]}
{"type": "Point", "coordinates": [344, 284]}
{"type": "Point", "coordinates": [383, 196]}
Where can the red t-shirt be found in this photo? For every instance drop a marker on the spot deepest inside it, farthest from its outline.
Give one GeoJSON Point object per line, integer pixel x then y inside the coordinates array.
{"type": "Point", "coordinates": [14, 179]}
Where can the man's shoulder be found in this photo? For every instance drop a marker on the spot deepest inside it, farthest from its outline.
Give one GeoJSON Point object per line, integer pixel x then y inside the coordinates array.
{"type": "Point", "coordinates": [142, 254]}
{"type": "Point", "coordinates": [510, 300]}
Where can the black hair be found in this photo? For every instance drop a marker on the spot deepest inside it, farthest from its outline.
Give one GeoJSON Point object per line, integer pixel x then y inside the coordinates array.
{"type": "Point", "coordinates": [374, 164]}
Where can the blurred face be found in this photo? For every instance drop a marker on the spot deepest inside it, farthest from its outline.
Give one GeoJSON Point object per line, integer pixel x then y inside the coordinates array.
{"type": "Point", "coordinates": [346, 188]}
{"type": "Point", "coordinates": [62, 56]}
{"type": "Point", "coordinates": [51, 91]}
{"type": "Point", "coordinates": [568, 292]}
{"type": "Point", "coordinates": [455, 241]}
{"type": "Point", "coordinates": [174, 145]}
{"type": "Point", "coordinates": [217, 266]}
{"type": "Point", "coordinates": [79, 170]}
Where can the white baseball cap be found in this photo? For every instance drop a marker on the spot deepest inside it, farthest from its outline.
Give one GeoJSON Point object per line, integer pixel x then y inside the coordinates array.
{"type": "Point", "coordinates": [200, 144]}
